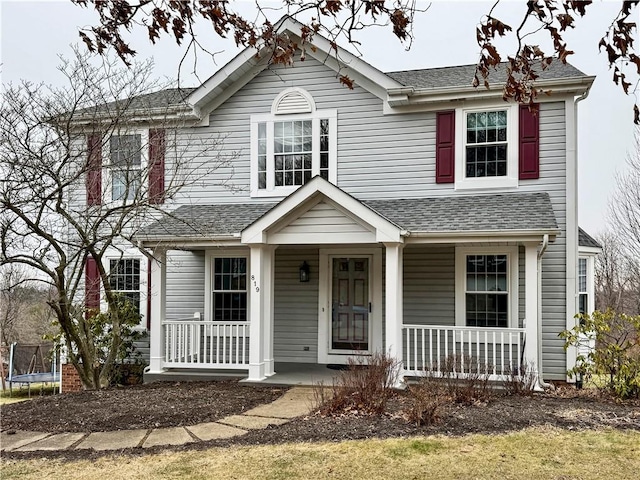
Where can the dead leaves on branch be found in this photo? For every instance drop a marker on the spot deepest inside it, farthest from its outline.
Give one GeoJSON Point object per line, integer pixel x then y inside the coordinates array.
{"type": "Point", "coordinates": [554, 17]}
{"type": "Point", "coordinates": [175, 18]}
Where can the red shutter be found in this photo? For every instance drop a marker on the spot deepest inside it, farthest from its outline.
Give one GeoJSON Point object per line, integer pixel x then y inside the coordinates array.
{"type": "Point", "coordinates": [91, 284]}
{"type": "Point", "coordinates": [156, 165]}
{"type": "Point", "coordinates": [94, 170]}
{"type": "Point", "coordinates": [445, 147]}
{"type": "Point", "coordinates": [529, 163]}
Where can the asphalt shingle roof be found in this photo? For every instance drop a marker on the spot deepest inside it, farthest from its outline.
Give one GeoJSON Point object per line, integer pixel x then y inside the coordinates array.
{"type": "Point", "coordinates": [462, 75]}
{"type": "Point", "coordinates": [586, 240]}
{"type": "Point", "coordinates": [524, 211]}
{"type": "Point", "coordinates": [509, 212]}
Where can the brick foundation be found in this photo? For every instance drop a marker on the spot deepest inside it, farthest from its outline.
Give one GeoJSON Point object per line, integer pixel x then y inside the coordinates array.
{"type": "Point", "coordinates": [70, 379]}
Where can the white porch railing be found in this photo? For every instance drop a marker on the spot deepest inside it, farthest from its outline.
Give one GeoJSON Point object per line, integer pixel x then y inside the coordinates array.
{"type": "Point", "coordinates": [204, 344]}
{"type": "Point", "coordinates": [441, 350]}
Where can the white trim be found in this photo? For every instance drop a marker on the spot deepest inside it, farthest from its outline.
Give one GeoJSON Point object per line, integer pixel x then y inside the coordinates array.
{"type": "Point", "coordinates": [571, 226]}
{"type": "Point", "coordinates": [508, 181]}
{"type": "Point", "coordinates": [107, 170]}
{"type": "Point", "coordinates": [461, 278]}
{"type": "Point", "coordinates": [289, 93]}
{"type": "Point", "coordinates": [257, 232]}
{"type": "Point", "coordinates": [325, 257]}
{"type": "Point", "coordinates": [208, 274]}
{"type": "Point", "coordinates": [158, 309]}
{"type": "Point", "coordinates": [269, 118]}
{"type": "Point", "coordinates": [128, 253]}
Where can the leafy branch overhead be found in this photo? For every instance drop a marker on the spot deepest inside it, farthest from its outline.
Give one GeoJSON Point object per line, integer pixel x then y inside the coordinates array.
{"type": "Point", "coordinates": [344, 18]}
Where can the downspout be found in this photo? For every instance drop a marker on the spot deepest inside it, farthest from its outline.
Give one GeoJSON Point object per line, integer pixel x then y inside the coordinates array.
{"type": "Point", "coordinates": [543, 248]}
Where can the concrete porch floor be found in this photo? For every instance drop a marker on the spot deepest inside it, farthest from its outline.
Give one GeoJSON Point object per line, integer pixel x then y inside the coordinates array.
{"type": "Point", "coordinates": [286, 374]}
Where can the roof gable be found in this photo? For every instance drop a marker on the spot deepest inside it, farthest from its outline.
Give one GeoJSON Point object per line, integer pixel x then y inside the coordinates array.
{"type": "Point", "coordinates": [360, 219]}
{"type": "Point", "coordinates": [251, 61]}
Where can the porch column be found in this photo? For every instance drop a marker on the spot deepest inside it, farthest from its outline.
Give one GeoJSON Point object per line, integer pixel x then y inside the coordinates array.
{"type": "Point", "coordinates": [267, 292]}
{"type": "Point", "coordinates": [394, 300]}
{"type": "Point", "coordinates": [259, 315]}
{"type": "Point", "coordinates": [531, 305]}
{"type": "Point", "coordinates": [158, 309]}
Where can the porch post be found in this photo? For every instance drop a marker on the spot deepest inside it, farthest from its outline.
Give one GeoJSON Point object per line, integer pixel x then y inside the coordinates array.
{"type": "Point", "coordinates": [394, 301]}
{"type": "Point", "coordinates": [257, 313]}
{"type": "Point", "coordinates": [267, 292]}
{"type": "Point", "coordinates": [531, 305]}
{"type": "Point", "coordinates": [158, 309]}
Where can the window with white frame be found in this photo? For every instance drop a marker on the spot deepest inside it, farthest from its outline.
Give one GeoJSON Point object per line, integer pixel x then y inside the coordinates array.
{"type": "Point", "coordinates": [487, 147]}
{"type": "Point", "coordinates": [229, 293]}
{"type": "Point", "coordinates": [125, 155]}
{"type": "Point", "coordinates": [124, 279]}
{"type": "Point", "coordinates": [291, 145]}
{"type": "Point", "coordinates": [486, 287]}
{"type": "Point", "coordinates": [583, 293]}
{"type": "Point", "coordinates": [486, 144]}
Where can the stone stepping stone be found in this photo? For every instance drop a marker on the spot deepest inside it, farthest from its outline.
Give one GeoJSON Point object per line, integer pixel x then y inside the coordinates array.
{"type": "Point", "coordinates": [11, 441]}
{"type": "Point", "coordinates": [215, 431]}
{"type": "Point", "coordinates": [59, 441]}
{"type": "Point", "coordinates": [250, 422]}
{"type": "Point", "coordinates": [167, 436]}
{"type": "Point", "coordinates": [113, 440]}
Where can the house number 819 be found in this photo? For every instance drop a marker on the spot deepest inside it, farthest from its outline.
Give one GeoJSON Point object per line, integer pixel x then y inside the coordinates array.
{"type": "Point", "coordinates": [255, 284]}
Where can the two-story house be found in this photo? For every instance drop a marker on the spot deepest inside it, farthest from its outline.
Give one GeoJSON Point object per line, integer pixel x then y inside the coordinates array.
{"type": "Point", "coordinates": [412, 214]}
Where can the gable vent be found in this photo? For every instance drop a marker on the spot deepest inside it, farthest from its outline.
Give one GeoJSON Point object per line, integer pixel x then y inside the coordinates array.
{"type": "Point", "coordinates": [293, 100]}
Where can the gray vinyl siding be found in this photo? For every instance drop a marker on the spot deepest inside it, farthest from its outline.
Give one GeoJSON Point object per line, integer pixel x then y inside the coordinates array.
{"type": "Point", "coordinates": [296, 306]}
{"type": "Point", "coordinates": [429, 285]}
{"type": "Point", "coordinates": [553, 181]}
{"type": "Point", "coordinates": [379, 156]}
{"type": "Point", "coordinates": [185, 284]}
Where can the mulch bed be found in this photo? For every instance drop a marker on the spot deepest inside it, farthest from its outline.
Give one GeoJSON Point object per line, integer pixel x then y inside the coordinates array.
{"type": "Point", "coordinates": [179, 404]}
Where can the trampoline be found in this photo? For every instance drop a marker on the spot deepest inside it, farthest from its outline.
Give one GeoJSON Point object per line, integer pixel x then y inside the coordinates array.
{"type": "Point", "coordinates": [29, 364]}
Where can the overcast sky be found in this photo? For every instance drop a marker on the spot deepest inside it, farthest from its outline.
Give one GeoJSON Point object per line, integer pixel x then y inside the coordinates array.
{"type": "Point", "coordinates": [34, 34]}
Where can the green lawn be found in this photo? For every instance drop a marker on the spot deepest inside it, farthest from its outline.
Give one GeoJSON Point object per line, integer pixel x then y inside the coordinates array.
{"type": "Point", "coordinates": [536, 453]}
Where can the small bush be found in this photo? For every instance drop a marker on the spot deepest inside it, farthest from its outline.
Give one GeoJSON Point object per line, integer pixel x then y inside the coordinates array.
{"type": "Point", "coordinates": [521, 380]}
{"type": "Point", "coordinates": [364, 387]}
{"type": "Point", "coordinates": [466, 388]}
{"type": "Point", "coordinates": [427, 397]}
{"type": "Point", "coordinates": [612, 341]}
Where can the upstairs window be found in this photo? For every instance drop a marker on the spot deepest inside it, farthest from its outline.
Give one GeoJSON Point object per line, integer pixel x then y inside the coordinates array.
{"type": "Point", "coordinates": [486, 144]}
{"type": "Point", "coordinates": [291, 145]}
{"type": "Point", "coordinates": [486, 149]}
{"type": "Point", "coordinates": [125, 154]}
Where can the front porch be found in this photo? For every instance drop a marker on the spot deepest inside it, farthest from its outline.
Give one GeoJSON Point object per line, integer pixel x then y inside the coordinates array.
{"type": "Point", "coordinates": [433, 299]}
{"type": "Point", "coordinates": [205, 349]}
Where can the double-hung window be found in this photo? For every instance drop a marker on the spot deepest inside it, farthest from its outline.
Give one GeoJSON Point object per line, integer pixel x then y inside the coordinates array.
{"type": "Point", "coordinates": [229, 295]}
{"type": "Point", "coordinates": [125, 154]}
{"type": "Point", "coordinates": [124, 279]}
{"type": "Point", "coordinates": [292, 144]}
{"type": "Point", "coordinates": [583, 293]}
{"type": "Point", "coordinates": [487, 147]}
{"type": "Point", "coordinates": [487, 287]}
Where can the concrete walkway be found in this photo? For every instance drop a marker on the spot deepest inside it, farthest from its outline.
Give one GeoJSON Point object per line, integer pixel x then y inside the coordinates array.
{"type": "Point", "coordinates": [295, 402]}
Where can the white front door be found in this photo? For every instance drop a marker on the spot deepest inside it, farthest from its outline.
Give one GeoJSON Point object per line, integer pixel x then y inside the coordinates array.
{"type": "Point", "coordinates": [350, 303]}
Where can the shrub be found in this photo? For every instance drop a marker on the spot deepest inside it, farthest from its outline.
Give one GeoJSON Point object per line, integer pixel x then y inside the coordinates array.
{"type": "Point", "coordinates": [466, 388]}
{"type": "Point", "coordinates": [521, 380]}
{"type": "Point", "coordinates": [426, 399]}
{"type": "Point", "coordinates": [612, 343]}
{"type": "Point", "coordinates": [364, 387]}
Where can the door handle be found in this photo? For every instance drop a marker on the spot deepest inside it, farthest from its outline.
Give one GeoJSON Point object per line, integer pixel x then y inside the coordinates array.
{"type": "Point", "coordinates": [369, 307]}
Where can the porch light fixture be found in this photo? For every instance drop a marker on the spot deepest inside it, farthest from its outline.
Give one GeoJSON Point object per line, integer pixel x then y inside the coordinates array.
{"type": "Point", "coordinates": [304, 272]}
